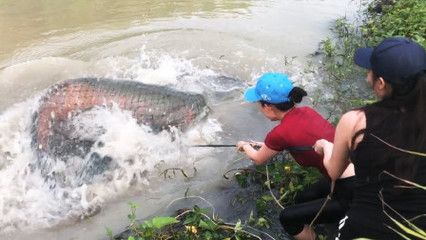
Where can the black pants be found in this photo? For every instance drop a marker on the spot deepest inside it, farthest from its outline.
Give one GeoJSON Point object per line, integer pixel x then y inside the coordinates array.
{"type": "Point", "coordinates": [309, 201]}
{"type": "Point", "coordinates": [372, 223]}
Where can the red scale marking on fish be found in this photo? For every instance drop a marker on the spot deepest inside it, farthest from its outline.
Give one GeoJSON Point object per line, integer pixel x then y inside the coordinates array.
{"type": "Point", "coordinates": [60, 106]}
{"type": "Point", "coordinates": [189, 116]}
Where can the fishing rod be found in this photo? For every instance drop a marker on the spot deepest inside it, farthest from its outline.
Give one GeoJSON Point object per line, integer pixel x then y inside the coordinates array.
{"type": "Point", "coordinates": [214, 145]}
{"type": "Point", "coordinates": [290, 149]}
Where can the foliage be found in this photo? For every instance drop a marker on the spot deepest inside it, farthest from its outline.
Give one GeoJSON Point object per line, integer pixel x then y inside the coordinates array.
{"type": "Point", "coordinates": [404, 227]}
{"type": "Point", "coordinates": [381, 19]}
{"type": "Point", "coordinates": [344, 93]}
{"type": "Point", "coordinates": [408, 229]}
{"type": "Point", "coordinates": [395, 18]}
{"type": "Point", "coordinates": [286, 178]}
{"type": "Point", "coordinates": [190, 224]}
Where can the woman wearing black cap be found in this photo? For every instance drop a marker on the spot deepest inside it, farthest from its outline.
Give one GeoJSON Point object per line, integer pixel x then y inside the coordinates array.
{"type": "Point", "coordinates": [374, 138]}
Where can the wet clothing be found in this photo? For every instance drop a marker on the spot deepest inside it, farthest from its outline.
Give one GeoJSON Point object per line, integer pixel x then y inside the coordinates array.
{"type": "Point", "coordinates": [301, 126]}
{"type": "Point", "coordinates": [376, 192]}
{"type": "Point", "coordinates": [309, 201]}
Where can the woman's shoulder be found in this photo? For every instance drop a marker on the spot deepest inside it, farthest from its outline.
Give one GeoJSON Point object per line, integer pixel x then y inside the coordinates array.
{"type": "Point", "coordinates": [353, 115]}
{"type": "Point", "coordinates": [353, 120]}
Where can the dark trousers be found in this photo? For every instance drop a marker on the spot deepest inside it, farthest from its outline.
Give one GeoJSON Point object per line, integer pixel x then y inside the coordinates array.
{"type": "Point", "coordinates": [309, 201]}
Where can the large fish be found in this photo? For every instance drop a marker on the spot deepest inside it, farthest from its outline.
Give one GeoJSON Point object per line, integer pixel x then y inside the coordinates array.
{"type": "Point", "coordinates": [156, 106]}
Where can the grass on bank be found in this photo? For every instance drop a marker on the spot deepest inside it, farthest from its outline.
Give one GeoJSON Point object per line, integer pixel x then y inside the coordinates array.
{"type": "Point", "coordinates": [378, 20]}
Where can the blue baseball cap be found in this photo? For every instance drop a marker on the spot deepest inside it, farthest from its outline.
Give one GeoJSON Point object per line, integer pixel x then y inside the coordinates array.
{"type": "Point", "coordinates": [394, 59]}
{"type": "Point", "coordinates": [271, 88]}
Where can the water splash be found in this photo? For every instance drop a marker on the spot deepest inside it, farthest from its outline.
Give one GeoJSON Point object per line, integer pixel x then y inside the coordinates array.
{"type": "Point", "coordinates": [28, 201]}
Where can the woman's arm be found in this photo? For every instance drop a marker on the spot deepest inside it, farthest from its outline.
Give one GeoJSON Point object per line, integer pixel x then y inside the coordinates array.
{"type": "Point", "coordinates": [260, 156]}
{"type": "Point", "coordinates": [336, 157]}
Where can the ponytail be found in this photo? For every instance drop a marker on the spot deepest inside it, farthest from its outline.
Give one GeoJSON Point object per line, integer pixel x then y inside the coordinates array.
{"type": "Point", "coordinates": [411, 130]}
{"type": "Point", "coordinates": [296, 95]}
{"type": "Point", "coordinates": [411, 96]}
{"type": "Point", "coordinates": [420, 109]}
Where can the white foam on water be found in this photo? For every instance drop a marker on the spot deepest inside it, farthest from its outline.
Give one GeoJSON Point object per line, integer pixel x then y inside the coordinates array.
{"type": "Point", "coordinates": [153, 67]}
{"type": "Point", "coordinates": [29, 202]}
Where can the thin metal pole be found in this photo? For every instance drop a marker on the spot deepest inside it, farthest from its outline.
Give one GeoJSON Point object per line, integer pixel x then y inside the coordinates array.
{"type": "Point", "coordinates": [291, 149]}
{"type": "Point", "coordinates": [215, 145]}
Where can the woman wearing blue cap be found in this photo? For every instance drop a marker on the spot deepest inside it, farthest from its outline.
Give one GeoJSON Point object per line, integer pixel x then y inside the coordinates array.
{"type": "Point", "coordinates": [299, 126]}
{"type": "Point", "coordinates": [375, 139]}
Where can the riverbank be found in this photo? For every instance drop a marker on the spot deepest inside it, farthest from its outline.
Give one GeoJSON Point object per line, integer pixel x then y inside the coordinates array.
{"type": "Point", "coordinates": [377, 20]}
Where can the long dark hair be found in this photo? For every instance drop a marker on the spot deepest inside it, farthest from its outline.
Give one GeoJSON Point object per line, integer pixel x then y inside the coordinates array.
{"type": "Point", "coordinates": [400, 118]}
{"type": "Point", "coordinates": [296, 95]}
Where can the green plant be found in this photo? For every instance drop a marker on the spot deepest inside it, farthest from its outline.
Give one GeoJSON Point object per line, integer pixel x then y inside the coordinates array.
{"type": "Point", "coordinates": [279, 182]}
{"type": "Point", "coordinates": [109, 233]}
{"type": "Point", "coordinates": [397, 18]}
{"type": "Point", "coordinates": [339, 72]}
{"type": "Point", "coordinates": [380, 19]}
{"type": "Point", "coordinates": [404, 227]}
{"type": "Point", "coordinates": [190, 224]}
{"type": "Point", "coordinates": [288, 177]}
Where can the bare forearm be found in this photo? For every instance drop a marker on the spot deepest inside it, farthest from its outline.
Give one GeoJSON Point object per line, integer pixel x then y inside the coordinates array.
{"type": "Point", "coordinates": [253, 154]}
{"type": "Point", "coordinates": [336, 156]}
{"type": "Point", "coordinates": [260, 156]}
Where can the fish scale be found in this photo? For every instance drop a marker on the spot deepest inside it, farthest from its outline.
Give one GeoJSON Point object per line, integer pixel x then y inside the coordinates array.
{"type": "Point", "coordinates": [159, 107]}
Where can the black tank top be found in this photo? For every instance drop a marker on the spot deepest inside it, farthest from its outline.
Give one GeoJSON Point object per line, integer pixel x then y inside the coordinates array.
{"type": "Point", "coordinates": [375, 190]}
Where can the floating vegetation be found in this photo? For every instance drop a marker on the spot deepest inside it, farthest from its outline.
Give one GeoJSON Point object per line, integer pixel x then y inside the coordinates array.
{"type": "Point", "coordinates": [194, 223]}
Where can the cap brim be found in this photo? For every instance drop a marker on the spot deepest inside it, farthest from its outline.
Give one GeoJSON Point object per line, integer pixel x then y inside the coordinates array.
{"type": "Point", "coordinates": [250, 95]}
{"type": "Point", "coordinates": [362, 57]}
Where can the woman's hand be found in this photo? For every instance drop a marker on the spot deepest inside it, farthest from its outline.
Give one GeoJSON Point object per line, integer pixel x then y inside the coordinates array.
{"type": "Point", "coordinates": [241, 144]}
{"type": "Point", "coordinates": [253, 144]}
{"type": "Point", "coordinates": [258, 152]}
{"type": "Point", "coordinates": [325, 148]}
{"type": "Point", "coordinates": [322, 146]}
{"type": "Point", "coordinates": [319, 146]}
{"type": "Point", "coordinates": [256, 145]}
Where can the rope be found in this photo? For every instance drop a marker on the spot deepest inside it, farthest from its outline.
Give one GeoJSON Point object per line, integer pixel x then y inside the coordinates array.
{"type": "Point", "coordinates": [333, 183]}
{"type": "Point", "coordinates": [397, 148]}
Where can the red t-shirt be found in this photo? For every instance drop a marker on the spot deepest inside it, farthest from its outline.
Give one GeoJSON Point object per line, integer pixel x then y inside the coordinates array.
{"type": "Point", "coordinates": [302, 126]}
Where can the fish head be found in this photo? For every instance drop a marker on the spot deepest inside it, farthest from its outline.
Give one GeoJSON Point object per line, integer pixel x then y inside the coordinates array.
{"type": "Point", "coordinates": [188, 112]}
{"type": "Point", "coordinates": [199, 108]}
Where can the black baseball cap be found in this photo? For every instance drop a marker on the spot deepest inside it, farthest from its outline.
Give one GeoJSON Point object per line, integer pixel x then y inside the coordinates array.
{"type": "Point", "coordinates": [394, 59]}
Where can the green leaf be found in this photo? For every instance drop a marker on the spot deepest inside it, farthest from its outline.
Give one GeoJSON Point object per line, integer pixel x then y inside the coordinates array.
{"type": "Point", "coordinates": [407, 229]}
{"type": "Point", "coordinates": [208, 225]}
{"type": "Point", "coordinates": [238, 227]}
{"type": "Point", "coordinates": [160, 222]}
{"type": "Point", "coordinates": [109, 233]}
{"type": "Point", "coordinates": [267, 198]}
{"type": "Point", "coordinates": [208, 235]}
{"type": "Point", "coordinates": [251, 220]}
{"type": "Point", "coordinates": [262, 222]}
